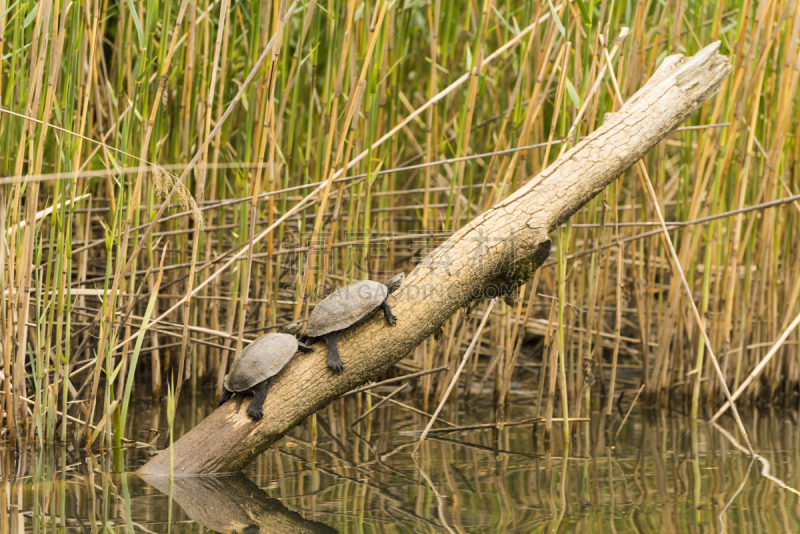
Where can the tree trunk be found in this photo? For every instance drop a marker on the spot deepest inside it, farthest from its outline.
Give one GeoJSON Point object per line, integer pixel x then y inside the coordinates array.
{"type": "Point", "coordinates": [502, 247]}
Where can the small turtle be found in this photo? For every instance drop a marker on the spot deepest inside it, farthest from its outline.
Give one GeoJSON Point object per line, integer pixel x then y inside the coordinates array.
{"type": "Point", "coordinates": [348, 306]}
{"type": "Point", "coordinates": [253, 369]}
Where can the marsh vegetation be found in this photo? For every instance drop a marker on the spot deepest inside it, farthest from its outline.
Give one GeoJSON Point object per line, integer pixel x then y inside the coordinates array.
{"type": "Point", "coordinates": [178, 178]}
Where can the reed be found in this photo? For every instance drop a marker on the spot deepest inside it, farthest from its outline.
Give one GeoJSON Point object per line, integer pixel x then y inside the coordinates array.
{"type": "Point", "coordinates": [171, 425]}
{"type": "Point", "coordinates": [271, 151]}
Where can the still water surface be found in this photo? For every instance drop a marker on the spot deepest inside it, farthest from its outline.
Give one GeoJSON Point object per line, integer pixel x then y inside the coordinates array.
{"type": "Point", "coordinates": [663, 474]}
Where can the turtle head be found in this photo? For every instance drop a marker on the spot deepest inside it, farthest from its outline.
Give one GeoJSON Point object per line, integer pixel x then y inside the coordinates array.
{"type": "Point", "coordinates": [394, 283]}
{"type": "Point", "coordinates": [293, 328]}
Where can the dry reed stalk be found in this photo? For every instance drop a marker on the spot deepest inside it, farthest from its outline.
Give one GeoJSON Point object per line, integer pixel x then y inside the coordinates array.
{"type": "Point", "coordinates": [222, 370]}
{"type": "Point", "coordinates": [398, 379]}
{"type": "Point", "coordinates": [56, 46]}
{"type": "Point", "coordinates": [500, 426]}
{"type": "Point", "coordinates": [163, 181]}
{"type": "Point", "coordinates": [432, 124]}
{"type": "Point", "coordinates": [617, 327]}
{"type": "Point", "coordinates": [179, 184]}
{"type": "Point", "coordinates": [627, 414]}
{"type": "Point", "coordinates": [378, 405]}
{"type": "Point", "coordinates": [411, 408]}
{"type": "Point", "coordinates": [586, 355]}
{"type": "Point", "coordinates": [353, 105]}
{"type": "Point", "coordinates": [449, 89]}
{"type": "Point", "coordinates": [304, 204]}
{"type": "Point", "coordinates": [92, 39]}
{"type": "Point", "coordinates": [535, 105]}
{"type": "Point", "coordinates": [199, 193]}
{"type": "Point", "coordinates": [123, 265]}
{"type": "Point", "coordinates": [676, 265]}
{"type": "Point", "coordinates": [163, 80]}
{"type": "Point", "coordinates": [6, 282]}
{"type": "Point", "coordinates": [267, 132]}
{"type": "Point", "coordinates": [760, 367]}
{"type": "Point", "coordinates": [447, 351]}
{"type": "Point", "coordinates": [698, 221]}
{"type": "Point", "coordinates": [453, 382]}
{"type": "Point", "coordinates": [466, 126]}
{"type": "Point", "coordinates": [547, 362]}
{"type": "Point", "coordinates": [517, 337]}
{"type": "Point", "coordinates": [557, 106]}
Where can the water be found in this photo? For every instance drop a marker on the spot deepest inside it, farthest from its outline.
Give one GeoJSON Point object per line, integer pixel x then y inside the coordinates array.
{"type": "Point", "coordinates": [662, 475]}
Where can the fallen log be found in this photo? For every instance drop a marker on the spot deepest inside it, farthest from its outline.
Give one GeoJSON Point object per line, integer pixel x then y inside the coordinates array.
{"type": "Point", "coordinates": [501, 248]}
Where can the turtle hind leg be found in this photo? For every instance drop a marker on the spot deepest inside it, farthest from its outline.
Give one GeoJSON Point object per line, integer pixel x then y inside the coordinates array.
{"type": "Point", "coordinates": [334, 360]}
{"type": "Point", "coordinates": [387, 312]}
{"type": "Point", "coordinates": [305, 348]}
{"type": "Point", "coordinates": [256, 408]}
{"type": "Point", "coordinates": [226, 396]}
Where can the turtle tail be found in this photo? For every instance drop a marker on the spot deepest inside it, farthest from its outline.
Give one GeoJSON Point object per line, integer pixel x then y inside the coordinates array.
{"type": "Point", "coordinates": [239, 400]}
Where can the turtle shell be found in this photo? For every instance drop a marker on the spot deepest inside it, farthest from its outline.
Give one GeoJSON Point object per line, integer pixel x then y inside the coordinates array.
{"type": "Point", "coordinates": [263, 358]}
{"type": "Point", "coordinates": [345, 307]}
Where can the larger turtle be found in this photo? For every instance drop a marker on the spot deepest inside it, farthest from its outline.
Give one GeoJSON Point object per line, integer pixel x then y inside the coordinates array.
{"type": "Point", "coordinates": [253, 369]}
{"type": "Point", "coordinates": [347, 306]}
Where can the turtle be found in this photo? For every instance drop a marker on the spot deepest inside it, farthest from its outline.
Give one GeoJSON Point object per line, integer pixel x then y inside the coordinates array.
{"type": "Point", "coordinates": [253, 369]}
{"type": "Point", "coordinates": [347, 306]}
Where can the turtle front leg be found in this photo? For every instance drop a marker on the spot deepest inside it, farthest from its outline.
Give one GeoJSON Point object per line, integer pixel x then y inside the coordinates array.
{"type": "Point", "coordinates": [226, 396]}
{"type": "Point", "coordinates": [256, 408]}
{"type": "Point", "coordinates": [334, 360]}
{"type": "Point", "coordinates": [387, 312]}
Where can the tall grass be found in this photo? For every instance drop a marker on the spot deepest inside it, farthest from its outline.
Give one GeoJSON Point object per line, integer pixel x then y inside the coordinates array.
{"type": "Point", "coordinates": [237, 113]}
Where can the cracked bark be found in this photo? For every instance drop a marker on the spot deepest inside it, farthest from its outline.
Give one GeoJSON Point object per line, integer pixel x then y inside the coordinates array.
{"type": "Point", "coordinates": [503, 246]}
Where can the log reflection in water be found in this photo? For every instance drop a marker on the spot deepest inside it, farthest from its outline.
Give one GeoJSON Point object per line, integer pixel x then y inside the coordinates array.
{"type": "Point", "coordinates": [234, 504]}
